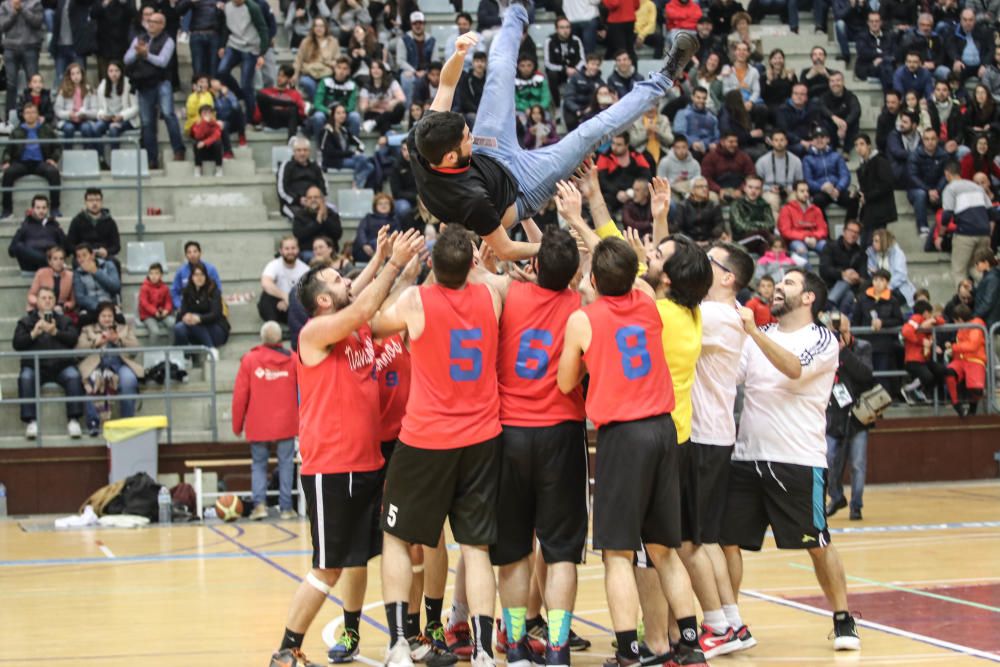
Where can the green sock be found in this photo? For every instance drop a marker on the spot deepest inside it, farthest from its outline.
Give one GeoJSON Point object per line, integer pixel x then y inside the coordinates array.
{"type": "Point", "coordinates": [559, 624]}
{"type": "Point", "coordinates": [513, 618]}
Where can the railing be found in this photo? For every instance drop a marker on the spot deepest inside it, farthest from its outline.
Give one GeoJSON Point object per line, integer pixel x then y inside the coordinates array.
{"type": "Point", "coordinates": [168, 395]}
{"type": "Point", "coordinates": [136, 141]}
{"type": "Point", "coordinates": [993, 355]}
{"type": "Point", "coordinates": [867, 332]}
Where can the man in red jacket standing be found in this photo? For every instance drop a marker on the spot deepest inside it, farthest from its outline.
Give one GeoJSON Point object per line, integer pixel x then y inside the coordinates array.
{"type": "Point", "coordinates": [265, 404]}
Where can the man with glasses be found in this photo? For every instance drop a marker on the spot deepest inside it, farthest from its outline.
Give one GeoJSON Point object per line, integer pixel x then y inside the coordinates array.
{"type": "Point", "coordinates": [147, 61]}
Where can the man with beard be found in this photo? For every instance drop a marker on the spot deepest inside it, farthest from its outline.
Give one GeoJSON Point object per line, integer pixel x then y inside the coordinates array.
{"type": "Point", "coordinates": [779, 463]}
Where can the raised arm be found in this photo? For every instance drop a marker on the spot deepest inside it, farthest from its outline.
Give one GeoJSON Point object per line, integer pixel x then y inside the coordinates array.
{"type": "Point", "coordinates": [383, 248]}
{"type": "Point", "coordinates": [452, 72]}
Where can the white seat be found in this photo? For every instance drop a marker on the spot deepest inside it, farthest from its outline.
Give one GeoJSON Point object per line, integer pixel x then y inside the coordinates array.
{"type": "Point", "coordinates": [279, 154]}
{"type": "Point", "coordinates": [437, 7]}
{"type": "Point", "coordinates": [140, 254]}
{"type": "Point", "coordinates": [123, 163]}
{"type": "Point", "coordinates": [441, 35]}
{"type": "Point", "coordinates": [354, 203]}
{"type": "Point", "coordinates": [607, 67]}
{"type": "Point", "coordinates": [80, 164]}
{"type": "Point", "coordinates": [540, 32]}
{"type": "Point", "coordinates": [646, 66]}
{"type": "Point", "coordinates": [470, 6]}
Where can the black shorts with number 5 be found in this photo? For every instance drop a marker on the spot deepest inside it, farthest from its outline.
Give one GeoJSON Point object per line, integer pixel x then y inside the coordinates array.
{"type": "Point", "coordinates": [425, 486]}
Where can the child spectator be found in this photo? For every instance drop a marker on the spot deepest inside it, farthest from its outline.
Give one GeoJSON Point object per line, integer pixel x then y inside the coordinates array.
{"type": "Point", "coordinates": [155, 305]}
{"type": "Point", "coordinates": [39, 95]}
{"type": "Point", "coordinates": [530, 87]}
{"type": "Point", "coordinates": [918, 344]}
{"type": "Point", "coordinates": [201, 95]}
{"type": "Point", "coordinates": [968, 363]}
{"type": "Point", "coordinates": [75, 105]}
{"type": "Point", "coordinates": [207, 134]}
{"type": "Point", "coordinates": [776, 261]}
{"type": "Point", "coordinates": [760, 304]}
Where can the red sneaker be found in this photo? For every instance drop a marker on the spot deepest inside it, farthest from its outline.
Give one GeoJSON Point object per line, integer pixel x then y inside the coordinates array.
{"type": "Point", "coordinates": [243, 140]}
{"type": "Point", "coordinates": [713, 644]}
{"type": "Point", "coordinates": [459, 638]}
{"type": "Point", "coordinates": [501, 646]}
{"type": "Point", "coordinates": [746, 639]}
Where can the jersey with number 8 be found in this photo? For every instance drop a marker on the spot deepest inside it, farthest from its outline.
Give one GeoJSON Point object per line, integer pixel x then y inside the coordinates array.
{"type": "Point", "coordinates": [453, 399]}
{"type": "Point", "coordinates": [532, 331]}
{"type": "Point", "coordinates": [629, 378]}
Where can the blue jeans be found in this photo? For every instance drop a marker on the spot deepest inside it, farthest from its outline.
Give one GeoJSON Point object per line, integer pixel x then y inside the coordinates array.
{"type": "Point", "coordinates": [16, 60]}
{"type": "Point", "coordinates": [65, 56]}
{"type": "Point", "coordinates": [204, 52]}
{"type": "Point", "coordinates": [286, 471]}
{"type": "Point", "coordinates": [918, 199]}
{"type": "Point", "coordinates": [160, 97]}
{"type": "Point", "coordinates": [128, 383]}
{"type": "Point", "coordinates": [789, 6]}
{"type": "Point", "coordinates": [587, 32]}
{"type": "Point", "coordinates": [209, 335]}
{"type": "Point", "coordinates": [802, 250]}
{"type": "Point", "coordinates": [362, 165]}
{"type": "Point", "coordinates": [821, 12]}
{"type": "Point", "coordinates": [537, 171]}
{"type": "Point", "coordinates": [843, 35]}
{"type": "Point", "coordinates": [87, 129]}
{"type": "Point", "coordinates": [248, 67]}
{"type": "Point", "coordinates": [308, 86]}
{"type": "Point", "coordinates": [841, 297]}
{"type": "Point", "coordinates": [837, 452]}
{"type": "Point", "coordinates": [68, 378]}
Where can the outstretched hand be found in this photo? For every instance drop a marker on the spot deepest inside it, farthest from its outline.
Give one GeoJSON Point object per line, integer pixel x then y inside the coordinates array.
{"type": "Point", "coordinates": [660, 195]}
{"type": "Point", "coordinates": [586, 178]}
{"type": "Point", "coordinates": [635, 240]}
{"type": "Point", "coordinates": [569, 201]}
{"type": "Point", "coordinates": [406, 247]}
{"type": "Point", "coordinates": [465, 42]}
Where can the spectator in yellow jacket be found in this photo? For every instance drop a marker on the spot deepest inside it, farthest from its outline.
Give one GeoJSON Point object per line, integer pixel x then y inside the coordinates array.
{"type": "Point", "coordinates": [201, 95]}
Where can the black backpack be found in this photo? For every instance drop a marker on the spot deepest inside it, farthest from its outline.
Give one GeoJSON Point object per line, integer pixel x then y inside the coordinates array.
{"type": "Point", "coordinates": [138, 496]}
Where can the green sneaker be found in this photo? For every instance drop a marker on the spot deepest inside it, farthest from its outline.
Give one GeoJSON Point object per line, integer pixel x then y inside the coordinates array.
{"type": "Point", "coordinates": [346, 648]}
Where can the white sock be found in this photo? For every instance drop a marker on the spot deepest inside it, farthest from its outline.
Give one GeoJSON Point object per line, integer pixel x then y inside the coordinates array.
{"type": "Point", "coordinates": [732, 613]}
{"type": "Point", "coordinates": [459, 614]}
{"type": "Point", "coordinates": [912, 385]}
{"type": "Point", "coordinates": [716, 621]}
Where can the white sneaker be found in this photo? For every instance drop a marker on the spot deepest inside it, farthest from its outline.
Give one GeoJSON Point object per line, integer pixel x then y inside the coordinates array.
{"type": "Point", "coordinates": [197, 172]}
{"type": "Point", "coordinates": [259, 512]}
{"type": "Point", "coordinates": [73, 428]}
{"type": "Point", "coordinates": [483, 659]}
{"type": "Point", "coordinates": [399, 655]}
{"type": "Point", "coordinates": [183, 38]}
{"type": "Point", "coordinates": [214, 351]}
{"type": "Point", "coordinates": [32, 431]}
{"type": "Point", "coordinates": [288, 514]}
{"type": "Point", "coordinates": [368, 125]}
{"type": "Point", "coordinates": [218, 172]}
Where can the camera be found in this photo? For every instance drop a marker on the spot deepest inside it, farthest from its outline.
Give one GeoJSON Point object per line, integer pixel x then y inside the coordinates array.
{"type": "Point", "coordinates": [49, 317]}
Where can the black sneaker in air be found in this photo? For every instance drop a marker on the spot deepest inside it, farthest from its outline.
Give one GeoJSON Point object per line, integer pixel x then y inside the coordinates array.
{"type": "Point", "coordinates": [845, 632]}
{"type": "Point", "coordinates": [684, 46]}
{"type": "Point", "coordinates": [577, 643]}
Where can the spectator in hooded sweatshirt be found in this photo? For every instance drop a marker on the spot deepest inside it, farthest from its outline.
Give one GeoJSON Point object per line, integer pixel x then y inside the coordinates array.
{"type": "Point", "coordinates": [967, 205]}
{"type": "Point", "coordinates": [697, 123]}
{"type": "Point", "coordinates": [727, 167]}
{"type": "Point", "coordinates": [802, 224]}
{"type": "Point", "coordinates": [35, 236]}
{"type": "Point", "coordinates": [265, 406]}
{"type": "Point", "coordinates": [679, 166]}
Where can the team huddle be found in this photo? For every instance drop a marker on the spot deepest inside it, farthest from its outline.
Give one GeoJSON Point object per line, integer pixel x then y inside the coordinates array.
{"type": "Point", "coordinates": [466, 398]}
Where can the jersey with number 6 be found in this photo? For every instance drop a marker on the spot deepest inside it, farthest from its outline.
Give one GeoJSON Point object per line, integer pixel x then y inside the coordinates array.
{"type": "Point", "coordinates": [453, 400]}
{"type": "Point", "coordinates": [532, 333]}
{"type": "Point", "coordinates": [629, 378]}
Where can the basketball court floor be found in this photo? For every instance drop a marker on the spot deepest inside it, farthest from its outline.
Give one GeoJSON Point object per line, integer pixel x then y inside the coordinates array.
{"type": "Point", "coordinates": [923, 574]}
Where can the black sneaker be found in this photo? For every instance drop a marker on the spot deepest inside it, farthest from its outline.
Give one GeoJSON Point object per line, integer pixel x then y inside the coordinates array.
{"type": "Point", "coordinates": [845, 632]}
{"type": "Point", "coordinates": [833, 508]}
{"type": "Point", "coordinates": [6, 214]}
{"type": "Point", "coordinates": [577, 643]}
{"type": "Point", "coordinates": [684, 47]}
{"type": "Point", "coordinates": [557, 656]}
{"type": "Point", "coordinates": [855, 514]}
{"type": "Point", "coordinates": [962, 409]}
{"type": "Point", "coordinates": [620, 661]}
{"type": "Point", "coordinates": [685, 655]}
{"type": "Point", "coordinates": [520, 654]}
{"type": "Point", "coordinates": [291, 657]}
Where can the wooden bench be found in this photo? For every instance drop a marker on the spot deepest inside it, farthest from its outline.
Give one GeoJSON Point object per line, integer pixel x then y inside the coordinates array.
{"type": "Point", "coordinates": [200, 494]}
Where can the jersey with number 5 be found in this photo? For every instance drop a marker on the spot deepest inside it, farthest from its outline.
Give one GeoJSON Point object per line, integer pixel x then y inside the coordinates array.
{"type": "Point", "coordinates": [532, 333]}
{"type": "Point", "coordinates": [453, 400]}
{"type": "Point", "coordinates": [629, 378]}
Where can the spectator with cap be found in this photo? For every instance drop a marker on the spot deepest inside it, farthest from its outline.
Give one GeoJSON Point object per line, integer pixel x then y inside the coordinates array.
{"type": "Point", "coordinates": [827, 174]}
{"type": "Point", "coordinates": [26, 159]}
{"type": "Point", "coordinates": [414, 52]}
{"type": "Point", "coordinates": [38, 232]}
{"type": "Point", "coordinates": [265, 406]}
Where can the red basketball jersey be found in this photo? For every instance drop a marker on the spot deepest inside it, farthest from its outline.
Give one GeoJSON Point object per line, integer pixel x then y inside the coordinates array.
{"type": "Point", "coordinates": [392, 363]}
{"type": "Point", "coordinates": [339, 409]}
{"type": "Point", "coordinates": [453, 400]}
{"type": "Point", "coordinates": [532, 333]}
{"type": "Point", "coordinates": [629, 378]}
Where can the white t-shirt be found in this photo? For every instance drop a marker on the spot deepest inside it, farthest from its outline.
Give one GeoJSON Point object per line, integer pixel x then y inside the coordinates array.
{"type": "Point", "coordinates": [284, 276]}
{"type": "Point", "coordinates": [714, 393]}
{"type": "Point", "coordinates": [784, 420]}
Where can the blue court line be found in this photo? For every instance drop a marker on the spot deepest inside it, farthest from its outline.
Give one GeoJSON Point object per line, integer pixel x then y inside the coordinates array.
{"type": "Point", "coordinates": [258, 555]}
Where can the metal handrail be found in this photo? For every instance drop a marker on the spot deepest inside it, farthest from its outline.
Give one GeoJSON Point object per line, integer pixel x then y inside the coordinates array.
{"type": "Point", "coordinates": [140, 228]}
{"type": "Point", "coordinates": [939, 328]}
{"type": "Point", "coordinates": [168, 395]}
{"type": "Point", "coordinates": [993, 355]}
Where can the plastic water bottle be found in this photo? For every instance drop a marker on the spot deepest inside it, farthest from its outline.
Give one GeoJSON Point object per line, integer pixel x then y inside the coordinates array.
{"type": "Point", "coordinates": [3, 500]}
{"type": "Point", "coordinates": [164, 505]}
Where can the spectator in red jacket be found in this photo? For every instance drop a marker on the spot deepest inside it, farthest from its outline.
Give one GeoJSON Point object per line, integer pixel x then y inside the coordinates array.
{"type": "Point", "coordinates": [620, 27]}
{"type": "Point", "coordinates": [156, 307]}
{"type": "Point", "coordinates": [968, 363]}
{"type": "Point", "coordinates": [918, 345]}
{"type": "Point", "coordinates": [802, 224]}
{"type": "Point", "coordinates": [682, 15]}
{"type": "Point", "coordinates": [727, 167]}
{"type": "Point", "coordinates": [207, 135]}
{"type": "Point", "coordinates": [282, 106]}
{"type": "Point", "coordinates": [760, 304]}
{"type": "Point", "coordinates": [265, 405]}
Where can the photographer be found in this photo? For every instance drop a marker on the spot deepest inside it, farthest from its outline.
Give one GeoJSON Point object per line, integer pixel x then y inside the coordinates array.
{"type": "Point", "coordinates": [845, 435]}
{"type": "Point", "coordinates": [108, 373]}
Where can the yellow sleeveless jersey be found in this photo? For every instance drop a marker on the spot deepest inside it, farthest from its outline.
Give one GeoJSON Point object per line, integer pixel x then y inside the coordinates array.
{"type": "Point", "coordinates": [682, 347]}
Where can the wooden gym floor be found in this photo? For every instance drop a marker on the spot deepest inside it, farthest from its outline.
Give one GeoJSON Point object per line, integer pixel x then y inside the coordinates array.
{"type": "Point", "coordinates": [923, 571]}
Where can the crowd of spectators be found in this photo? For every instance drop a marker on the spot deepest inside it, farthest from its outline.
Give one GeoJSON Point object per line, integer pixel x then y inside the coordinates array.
{"type": "Point", "coordinates": [755, 151]}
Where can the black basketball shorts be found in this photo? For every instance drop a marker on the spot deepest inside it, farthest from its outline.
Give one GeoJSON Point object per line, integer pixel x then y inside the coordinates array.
{"type": "Point", "coordinates": [343, 517]}
{"type": "Point", "coordinates": [704, 480]}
